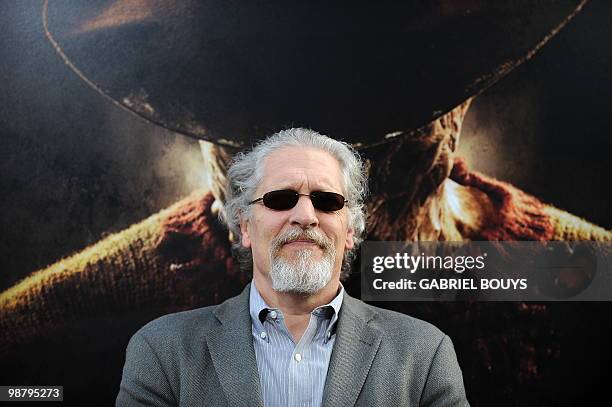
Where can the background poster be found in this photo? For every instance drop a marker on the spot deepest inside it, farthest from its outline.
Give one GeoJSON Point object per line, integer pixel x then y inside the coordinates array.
{"type": "Point", "coordinates": [75, 168]}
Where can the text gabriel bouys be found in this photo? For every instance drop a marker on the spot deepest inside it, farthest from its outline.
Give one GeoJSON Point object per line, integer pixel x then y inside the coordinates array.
{"type": "Point", "coordinates": [453, 284]}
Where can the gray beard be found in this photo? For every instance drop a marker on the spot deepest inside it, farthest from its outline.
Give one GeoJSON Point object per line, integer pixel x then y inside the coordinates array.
{"type": "Point", "coordinates": [304, 275]}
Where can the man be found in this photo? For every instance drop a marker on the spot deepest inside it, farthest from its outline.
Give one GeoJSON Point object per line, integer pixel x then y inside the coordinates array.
{"type": "Point", "coordinates": [293, 337]}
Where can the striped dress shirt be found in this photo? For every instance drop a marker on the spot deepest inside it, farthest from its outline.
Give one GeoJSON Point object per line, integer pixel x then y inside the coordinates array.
{"type": "Point", "coordinates": [290, 374]}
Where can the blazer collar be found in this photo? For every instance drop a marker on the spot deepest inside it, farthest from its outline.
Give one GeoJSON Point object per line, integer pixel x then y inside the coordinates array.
{"type": "Point", "coordinates": [357, 342]}
{"type": "Point", "coordinates": [232, 352]}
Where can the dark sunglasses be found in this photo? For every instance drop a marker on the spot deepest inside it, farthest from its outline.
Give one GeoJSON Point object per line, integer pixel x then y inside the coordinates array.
{"type": "Point", "coordinates": [287, 199]}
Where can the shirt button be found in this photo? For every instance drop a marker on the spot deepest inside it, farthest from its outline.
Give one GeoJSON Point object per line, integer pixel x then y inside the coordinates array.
{"type": "Point", "coordinates": [263, 335]}
{"type": "Point", "coordinates": [298, 357]}
{"type": "Point", "coordinates": [273, 314]}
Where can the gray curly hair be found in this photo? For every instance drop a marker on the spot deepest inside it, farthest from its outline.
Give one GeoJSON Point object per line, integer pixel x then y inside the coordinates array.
{"type": "Point", "coordinates": [246, 172]}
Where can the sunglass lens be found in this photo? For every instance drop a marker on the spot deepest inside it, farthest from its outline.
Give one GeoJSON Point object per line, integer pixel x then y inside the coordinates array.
{"type": "Point", "coordinates": [327, 201]}
{"type": "Point", "coordinates": [280, 200]}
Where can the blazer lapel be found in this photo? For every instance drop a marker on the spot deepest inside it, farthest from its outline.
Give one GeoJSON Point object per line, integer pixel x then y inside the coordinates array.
{"type": "Point", "coordinates": [354, 350]}
{"type": "Point", "coordinates": [232, 352]}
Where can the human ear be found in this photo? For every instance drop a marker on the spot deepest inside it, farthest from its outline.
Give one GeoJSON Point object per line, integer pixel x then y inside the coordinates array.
{"type": "Point", "coordinates": [244, 231]}
{"type": "Point", "coordinates": [349, 242]}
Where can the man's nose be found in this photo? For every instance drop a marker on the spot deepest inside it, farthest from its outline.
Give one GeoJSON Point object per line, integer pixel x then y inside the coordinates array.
{"type": "Point", "coordinates": [303, 214]}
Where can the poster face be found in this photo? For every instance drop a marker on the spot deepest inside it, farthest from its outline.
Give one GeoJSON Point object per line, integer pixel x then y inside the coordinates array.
{"type": "Point", "coordinates": [85, 186]}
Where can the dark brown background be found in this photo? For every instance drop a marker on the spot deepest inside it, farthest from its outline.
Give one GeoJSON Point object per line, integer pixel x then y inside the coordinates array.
{"type": "Point", "coordinates": [74, 167]}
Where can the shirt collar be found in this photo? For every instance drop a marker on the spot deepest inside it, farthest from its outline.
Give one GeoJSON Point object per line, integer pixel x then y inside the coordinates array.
{"type": "Point", "coordinates": [259, 309]}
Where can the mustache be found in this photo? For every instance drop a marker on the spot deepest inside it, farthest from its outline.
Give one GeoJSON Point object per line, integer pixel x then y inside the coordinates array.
{"type": "Point", "coordinates": [294, 234]}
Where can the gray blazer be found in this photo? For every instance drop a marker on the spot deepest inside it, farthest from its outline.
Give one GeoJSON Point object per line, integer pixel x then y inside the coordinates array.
{"type": "Point", "coordinates": [205, 357]}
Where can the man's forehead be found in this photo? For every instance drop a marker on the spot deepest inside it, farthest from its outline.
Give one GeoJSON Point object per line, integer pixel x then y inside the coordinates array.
{"type": "Point", "coordinates": [292, 166]}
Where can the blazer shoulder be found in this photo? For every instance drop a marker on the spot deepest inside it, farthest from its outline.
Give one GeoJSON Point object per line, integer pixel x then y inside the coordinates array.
{"type": "Point", "coordinates": [393, 320]}
{"type": "Point", "coordinates": [403, 330]}
{"type": "Point", "coordinates": [179, 325]}
{"type": "Point", "coordinates": [188, 327]}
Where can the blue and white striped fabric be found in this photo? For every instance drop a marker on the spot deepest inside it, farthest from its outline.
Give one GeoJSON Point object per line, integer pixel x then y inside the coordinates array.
{"type": "Point", "coordinates": [292, 375]}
